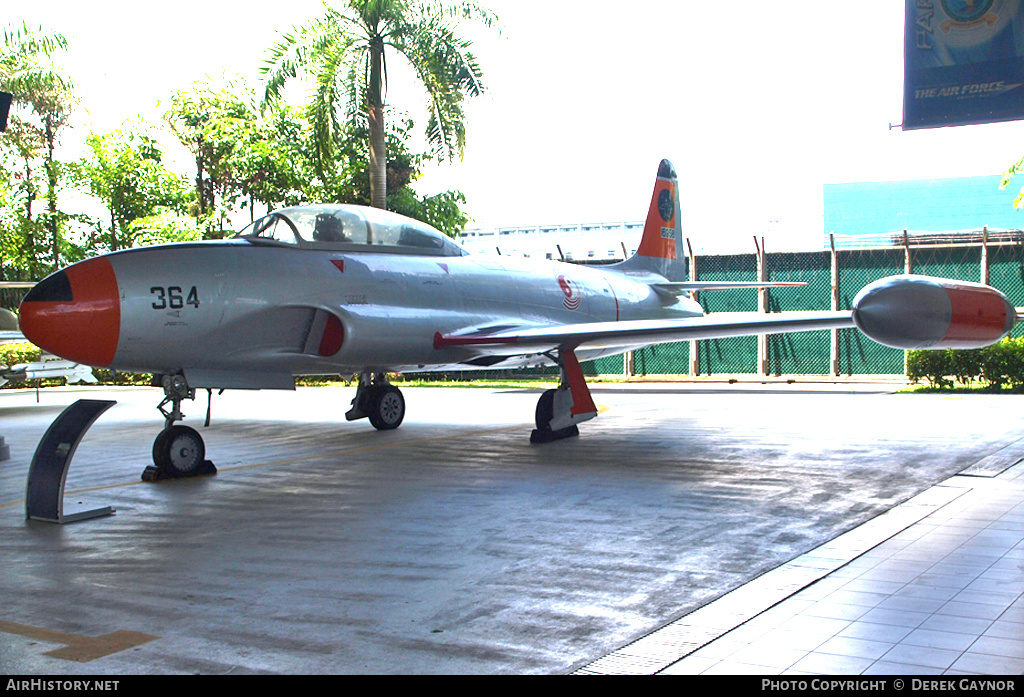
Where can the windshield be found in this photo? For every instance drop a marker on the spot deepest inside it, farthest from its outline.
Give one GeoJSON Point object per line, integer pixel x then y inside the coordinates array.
{"type": "Point", "coordinates": [349, 227]}
{"type": "Point", "coordinates": [271, 227]}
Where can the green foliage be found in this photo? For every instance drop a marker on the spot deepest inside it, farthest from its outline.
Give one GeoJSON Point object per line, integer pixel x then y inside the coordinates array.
{"type": "Point", "coordinates": [34, 174]}
{"type": "Point", "coordinates": [13, 354]}
{"type": "Point", "coordinates": [351, 184]}
{"type": "Point", "coordinates": [441, 211]}
{"type": "Point", "coordinates": [999, 365]}
{"type": "Point", "coordinates": [1011, 171]}
{"type": "Point", "coordinates": [125, 171]}
{"type": "Point", "coordinates": [344, 56]}
{"type": "Point", "coordinates": [246, 156]}
{"type": "Point", "coordinates": [929, 365]}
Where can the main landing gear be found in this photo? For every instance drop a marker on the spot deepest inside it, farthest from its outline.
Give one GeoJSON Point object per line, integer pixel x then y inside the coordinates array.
{"type": "Point", "coordinates": [179, 450]}
{"type": "Point", "coordinates": [560, 410]}
{"type": "Point", "coordinates": [378, 400]}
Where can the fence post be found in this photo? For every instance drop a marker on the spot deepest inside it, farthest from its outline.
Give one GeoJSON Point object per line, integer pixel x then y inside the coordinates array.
{"type": "Point", "coordinates": [834, 341]}
{"type": "Point", "coordinates": [694, 343]}
{"type": "Point", "coordinates": [908, 263]}
{"type": "Point", "coordinates": [762, 275]}
{"type": "Point", "coordinates": [908, 268]}
{"type": "Point", "coordinates": [984, 255]}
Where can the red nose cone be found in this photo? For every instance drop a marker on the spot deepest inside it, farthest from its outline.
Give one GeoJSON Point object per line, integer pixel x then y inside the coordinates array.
{"type": "Point", "coordinates": [75, 313]}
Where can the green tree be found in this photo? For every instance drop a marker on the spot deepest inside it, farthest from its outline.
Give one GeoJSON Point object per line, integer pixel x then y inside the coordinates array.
{"type": "Point", "coordinates": [344, 53]}
{"type": "Point", "coordinates": [125, 171]}
{"type": "Point", "coordinates": [23, 55]}
{"type": "Point", "coordinates": [273, 165]}
{"type": "Point", "coordinates": [214, 124]}
{"type": "Point", "coordinates": [245, 157]}
{"type": "Point", "coordinates": [352, 183]}
{"type": "Point", "coordinates": [20, 232]}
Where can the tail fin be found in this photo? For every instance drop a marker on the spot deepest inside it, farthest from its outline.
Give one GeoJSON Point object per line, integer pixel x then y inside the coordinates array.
{"type": "Point", "coordinates": [661, 247]}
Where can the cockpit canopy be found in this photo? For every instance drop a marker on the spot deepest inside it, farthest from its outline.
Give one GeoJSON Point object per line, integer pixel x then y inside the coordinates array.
{"type": "Point", "coordinates": [350, 228]}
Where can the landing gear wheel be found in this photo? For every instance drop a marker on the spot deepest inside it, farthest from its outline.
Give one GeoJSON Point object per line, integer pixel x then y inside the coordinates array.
{"type": "Point", "coordinates": [386, 408]}
{"type": "Point", "coordinates": [179, 451]}
{"type": "Point", "coordinates": [543, 416]}
{"type": "Point", "coordinates": [545, 410]}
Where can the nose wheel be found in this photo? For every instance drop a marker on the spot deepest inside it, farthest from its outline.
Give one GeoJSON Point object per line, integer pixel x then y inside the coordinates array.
{"type": "Point", "coordinates": [179, 450]}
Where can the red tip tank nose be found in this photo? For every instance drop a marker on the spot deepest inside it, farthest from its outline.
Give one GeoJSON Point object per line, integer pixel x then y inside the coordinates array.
{"type": "Point", "coordinates": [75, 313]}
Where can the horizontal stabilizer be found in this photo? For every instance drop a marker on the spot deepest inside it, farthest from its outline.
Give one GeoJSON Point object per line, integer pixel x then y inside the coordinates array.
{"type": "Point", "coordinates": [680, 287]}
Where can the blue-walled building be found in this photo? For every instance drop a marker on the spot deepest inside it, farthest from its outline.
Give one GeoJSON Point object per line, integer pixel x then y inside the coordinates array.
{"type": "Point", "coordinates": [867, 214]}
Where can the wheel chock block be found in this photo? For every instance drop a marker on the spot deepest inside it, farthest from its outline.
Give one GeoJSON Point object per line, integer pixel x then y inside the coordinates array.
{"type": "Point", "coordinates": [152, 473]}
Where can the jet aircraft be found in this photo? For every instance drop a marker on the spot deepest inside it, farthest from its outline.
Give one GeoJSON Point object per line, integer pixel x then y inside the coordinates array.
{"type": "Point", "coordinates": [336, 289]}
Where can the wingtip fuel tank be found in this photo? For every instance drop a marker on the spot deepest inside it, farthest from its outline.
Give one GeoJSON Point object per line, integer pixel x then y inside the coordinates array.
{"type": "Point", "coordinates": [919, 312]}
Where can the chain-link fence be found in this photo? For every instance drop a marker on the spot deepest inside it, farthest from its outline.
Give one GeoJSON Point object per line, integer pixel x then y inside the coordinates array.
{"type": "Point", "coordinates": [844, 272]}
{"type": "Point", "coordinates": [857, 354]}
{"type": "Point", "coordinates": [804, 353]}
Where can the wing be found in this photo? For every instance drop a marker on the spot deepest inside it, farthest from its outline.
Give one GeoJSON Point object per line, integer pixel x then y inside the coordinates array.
{"type": "Point", "coordinates": [624, 335]}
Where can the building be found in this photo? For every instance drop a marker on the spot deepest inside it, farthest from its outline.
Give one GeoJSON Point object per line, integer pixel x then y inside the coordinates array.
{"type": "Point", "coordinates": [580, 242]}
{"type": "Point", "coordinates": [872, 214]}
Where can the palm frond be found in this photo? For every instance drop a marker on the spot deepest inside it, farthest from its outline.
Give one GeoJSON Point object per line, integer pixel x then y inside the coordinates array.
{"type": "Point", "coordinates": [449, 73]}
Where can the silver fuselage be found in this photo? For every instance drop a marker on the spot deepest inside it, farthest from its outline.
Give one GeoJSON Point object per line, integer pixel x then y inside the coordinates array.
{"type": "Point", "coordinates": [234, 313]}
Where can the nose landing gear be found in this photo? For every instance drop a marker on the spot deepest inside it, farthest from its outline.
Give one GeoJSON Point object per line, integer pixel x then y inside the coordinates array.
{"type": "Point", "coordinates": [179, 450]}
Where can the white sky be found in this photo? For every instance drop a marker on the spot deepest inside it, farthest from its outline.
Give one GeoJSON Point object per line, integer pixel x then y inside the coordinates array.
{"type": "Point", "coordinates": [756, 106]}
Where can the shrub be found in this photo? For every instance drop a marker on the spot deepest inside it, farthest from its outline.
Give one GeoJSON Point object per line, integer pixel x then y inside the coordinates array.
{"type": "Point", "coordinates": [1000, 365]}
{"type": "Point", "coordinates": [931, 365]}
{"type": "Point", "coordinates": [12, 354]}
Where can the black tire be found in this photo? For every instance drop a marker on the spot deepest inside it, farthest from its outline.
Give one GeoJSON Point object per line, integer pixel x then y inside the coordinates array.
{"type": "Point", "coordinates": [545, 410]}
{"type": "Point", "coordinates": [387, 408]}
{"type": "Point", "coordinates": [179, 451]}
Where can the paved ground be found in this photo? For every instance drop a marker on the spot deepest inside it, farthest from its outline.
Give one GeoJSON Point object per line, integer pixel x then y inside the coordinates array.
{"type": "Point", "coordinates": [453, 545]}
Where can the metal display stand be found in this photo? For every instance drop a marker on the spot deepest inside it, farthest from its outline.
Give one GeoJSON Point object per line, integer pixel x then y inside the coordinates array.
{"type": "Point", "coordinates": [44, 499]}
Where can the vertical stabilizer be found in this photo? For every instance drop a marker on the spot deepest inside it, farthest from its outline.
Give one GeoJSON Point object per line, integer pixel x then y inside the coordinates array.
{"type": "Point", "coordinates": [661, 248]}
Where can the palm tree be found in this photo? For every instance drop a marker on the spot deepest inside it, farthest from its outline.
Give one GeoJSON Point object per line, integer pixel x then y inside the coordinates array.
{"type": "Point", "coordinates": [21, 68]}
{"type": "Point", "coordinates": [26, 73]}
{"type": "Point", "coordinates": [345, 53]}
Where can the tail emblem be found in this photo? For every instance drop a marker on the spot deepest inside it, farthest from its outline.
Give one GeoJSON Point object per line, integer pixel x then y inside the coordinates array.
{"type": "Point", "coordinates": [666, 207]}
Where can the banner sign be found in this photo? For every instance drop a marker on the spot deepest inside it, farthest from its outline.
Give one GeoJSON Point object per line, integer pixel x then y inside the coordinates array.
{"type": "Point", "coordinates": [963, 62]}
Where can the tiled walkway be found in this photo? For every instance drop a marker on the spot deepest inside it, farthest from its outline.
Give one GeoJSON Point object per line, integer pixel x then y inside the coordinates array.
{"type": "Point", "coordinates": [935, 586]}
